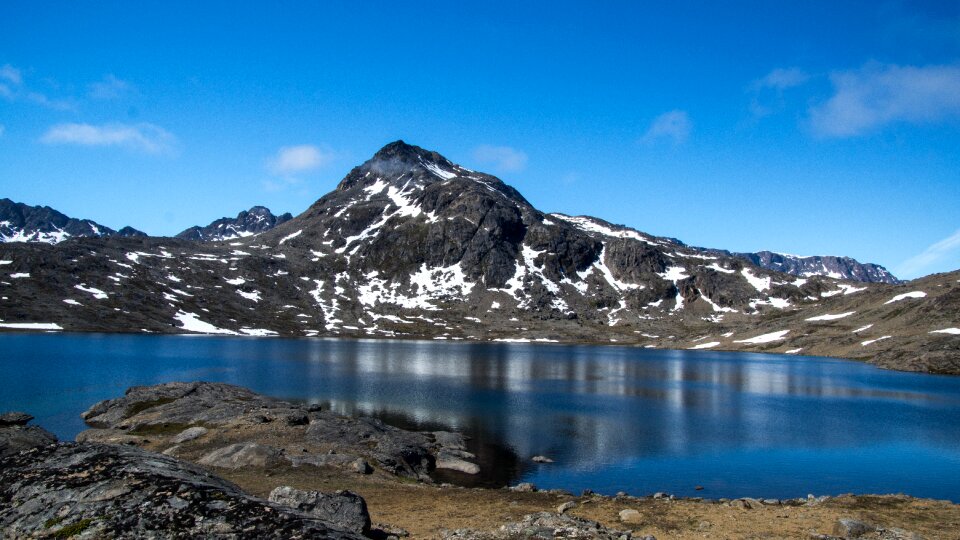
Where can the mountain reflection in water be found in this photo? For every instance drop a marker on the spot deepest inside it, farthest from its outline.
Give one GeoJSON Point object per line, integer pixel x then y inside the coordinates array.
{"type": "Point", "coordinates": [612, 418]}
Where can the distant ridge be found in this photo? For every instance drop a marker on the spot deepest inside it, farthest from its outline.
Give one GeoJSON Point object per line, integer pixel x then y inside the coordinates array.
{"type": "Point", "coordinates": [22, 223]}
{"type": "Point", "coordinates": [257, 220]}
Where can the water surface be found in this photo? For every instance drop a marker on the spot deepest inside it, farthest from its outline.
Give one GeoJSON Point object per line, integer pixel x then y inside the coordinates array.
{"type": "Point", "coordinates": [612, 418]}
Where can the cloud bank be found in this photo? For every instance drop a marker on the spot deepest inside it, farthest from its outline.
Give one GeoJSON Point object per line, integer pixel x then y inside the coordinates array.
{"type": "Point", "coordinates": [916, 265]}
{"type": "Point", "coordinates": [291, 160]}
{"type": "Point", "coordinates": [673, 126]}
{"type": "Point", "coordinates": [139, 137]}
{"type": "Point", "coordinates": [501, 158]}
{"type": "Point", "coordinates": [876, 95]}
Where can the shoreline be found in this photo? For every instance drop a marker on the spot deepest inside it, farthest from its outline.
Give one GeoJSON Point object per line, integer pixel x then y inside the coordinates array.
{"type": "Point", "coordinates": [519, 341]}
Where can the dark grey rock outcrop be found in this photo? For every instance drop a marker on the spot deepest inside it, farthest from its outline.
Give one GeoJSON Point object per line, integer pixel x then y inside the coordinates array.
{"type": "Point", "coordinates": [345, 509]}
{"type": "Point", "coordinates": [16, 436]}
{"type": "Point", "coordinates": [107, 491]}
{"type": "Point", "coordinates": [821, 265]}
{"type": "Point", "coordinates": [169, 411]}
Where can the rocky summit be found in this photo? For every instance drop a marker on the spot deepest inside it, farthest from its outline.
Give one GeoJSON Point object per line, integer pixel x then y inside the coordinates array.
{"type": "Point", "coordinates": [251, 222]}
{"type": "Point", "coordinates": [412, 245]}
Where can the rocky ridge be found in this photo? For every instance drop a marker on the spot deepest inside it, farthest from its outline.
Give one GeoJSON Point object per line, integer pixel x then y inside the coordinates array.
{"type": "Point", "coordinates": [411, 245]}
{"type": "Point", "coordinates": [820, 265]}
{"type": "Point", "coordinates": [257, 220]}
{"type": "Point", "coordinates": [22, 223]}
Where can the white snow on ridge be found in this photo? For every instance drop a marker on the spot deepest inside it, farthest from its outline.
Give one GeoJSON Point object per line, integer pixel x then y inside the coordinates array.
{"type": "Point", "coordinates": [20, 275]}
{"type": "Point", "coordinates": [765, 338]}
{"type": "Point", "coordinates": [588, 225]}
{"type": "Point", "coordinates": [191, 322]}
{"type": "Point", "coordinates": [759, 283]}
{"type": "Point", "coordinates": [290, 237]}
{"type": "Point", "coordinates": [709, 345]}
{"type": "Point", "coordinates": [5, 262]}
{"type": "Point", "coordinates": [260, 332]}
{"type": "Point", "coordinates": [97, 293]}
{"type": "Point", "coordinates": [869, 341]}
{"type": "Point", "coordinates": [435, 169]}
{"type": "Point", "coordinates": [793, 351]}
{"type": "Point", "coordinates": [72, 302]}
{"type": "Point", "coordinates": [844, 289]}
{"type": "Point", "coordinates": [255, 295]}
{"type": "Point", "coordinates": [718, 268]}
{"type": "Point", "coordinates": [862, 328]}
{"type": "Point", "coordinates": [904, 296]}
{"type": "Point", "coordinates": [953, 331]}
{"type": "Point", "coordinates": [236, 281]}
{"type": "Point", "coordinates": [830, 317]}
{"type": "Point", "coordinates": [32, 326]}
{"type": "Point", "coordinates": [674, 273]}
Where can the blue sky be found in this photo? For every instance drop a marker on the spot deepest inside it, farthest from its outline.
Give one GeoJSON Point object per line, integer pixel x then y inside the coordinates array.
{"type": "Point", "coordinates": [801, 127]}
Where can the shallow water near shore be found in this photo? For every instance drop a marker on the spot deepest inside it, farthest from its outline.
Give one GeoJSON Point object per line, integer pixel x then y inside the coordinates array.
{"type": "Point", "coordinates": [612, 418]}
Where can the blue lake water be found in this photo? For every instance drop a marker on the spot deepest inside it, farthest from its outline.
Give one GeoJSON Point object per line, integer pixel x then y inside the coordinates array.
{"type": "Point", "coordinates": [612, 418]}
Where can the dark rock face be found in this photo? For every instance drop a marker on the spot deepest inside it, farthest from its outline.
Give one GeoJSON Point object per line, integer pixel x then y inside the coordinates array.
{"type": "Point", "coordinates": [121, 491]}
{"type": "Point", "coordinates": [344, 509]}
{"type": "Point", "coordinates": [258, 219]}
{"type": "Point", "coordinates": [16, 436]}
{"type": "Point", "coordinates": [22, 223]}
{"type": "Point", "coordinates": [835, 267]}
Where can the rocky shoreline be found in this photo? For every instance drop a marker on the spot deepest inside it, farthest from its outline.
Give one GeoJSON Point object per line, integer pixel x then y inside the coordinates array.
{"type": "Point", "coordinates": [186, 460]}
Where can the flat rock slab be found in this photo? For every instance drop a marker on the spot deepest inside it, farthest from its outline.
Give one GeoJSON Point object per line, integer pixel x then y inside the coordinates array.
{"type": "Point", "coordinates": [14, 418]}
{"type": "Point", "coordinates": [110, 491]}
{"type": "Point", "coordinates": [542, 525]}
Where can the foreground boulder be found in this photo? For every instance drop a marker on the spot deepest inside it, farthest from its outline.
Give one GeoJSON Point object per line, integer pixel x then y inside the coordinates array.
{"type": "Point", "coordinates": [16, 436]}
{"type": "Point", "coordinates": [108, 491]}
{"type": "Point", "coordinates": [236, 427]}
{"type": "Point", "coordinates": [343, 508]}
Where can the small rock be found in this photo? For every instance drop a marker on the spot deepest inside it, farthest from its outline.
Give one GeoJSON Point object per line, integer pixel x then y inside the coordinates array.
{"type": "Point", "coordinates": [586, 493]}
{"type": "Point", "coordinates": [660, 495]}
{"type": "Point", "coordinates": [698, 488]}
{"type": "Point", "coordinates": [452, 460]}
{"type": "Point", "coordinates": [189, 434]}
{"type": "Point", "coordinates": [15, 418]}
{"type": "Point", "coordinates": [562, 509]}
{"type": "Point", "coordinates": [361, 466]}
{"type": "Point", "coordinates": [771, 502]}
{"type": "Point", "coordinates": [622, 494]}
{"type": "Point", "coordinates": [852, 528]}
{"type": "Point", "coordinates": [542, 459]}
{"type": "Point", "coordinates": [630, 515]}
{"type": "Point", "coordinates": [298, 418]}
{"type": "Point", "coordinates": [524, 487]}
{"type": "Point", "coordinates": [314, 407]}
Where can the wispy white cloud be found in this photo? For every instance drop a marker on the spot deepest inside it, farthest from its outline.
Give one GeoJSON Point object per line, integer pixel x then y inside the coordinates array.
{"type": "Point", "coordinates": [782, 78]}
{"type": "Point", "coordinates": [110, 87]}
{"type": "Point", "coordinates": [673, 126]}
{"type": "Point", "coordinates": [2, 129]}
{"type": "Point", "coordinates": [11, 74]}
{"type": "Point", "coordinates": [502, 159]}
{"type": "Point", "coordinates": [56, 104]}
{"type": "Point", "coordinates": [916, 265]}
{"type": "Point", "coordinates": [140, 137]}
{"type": "Point", "coordinates": [876, 95]}
{"type": "Point", "coordinates": [291, 160]}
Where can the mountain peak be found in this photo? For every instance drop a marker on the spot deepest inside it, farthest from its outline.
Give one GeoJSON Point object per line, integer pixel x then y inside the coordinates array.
{"type": "Point", "coordinates": [399, 150]}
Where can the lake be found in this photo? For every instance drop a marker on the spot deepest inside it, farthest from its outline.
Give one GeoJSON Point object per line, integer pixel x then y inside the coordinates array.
{"type": "Point", "coordinates": [613, 418]}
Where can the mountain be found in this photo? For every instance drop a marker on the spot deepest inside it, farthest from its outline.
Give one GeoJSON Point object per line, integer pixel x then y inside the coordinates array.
{"type": "Point", "coordinates": [411, 245]}
{"type": "Point", "coordinates": [817, 265]}
{"type": "Point", "coordinates": [22, 223]}
{"type": "Point", "coordinates": [251, 222]}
